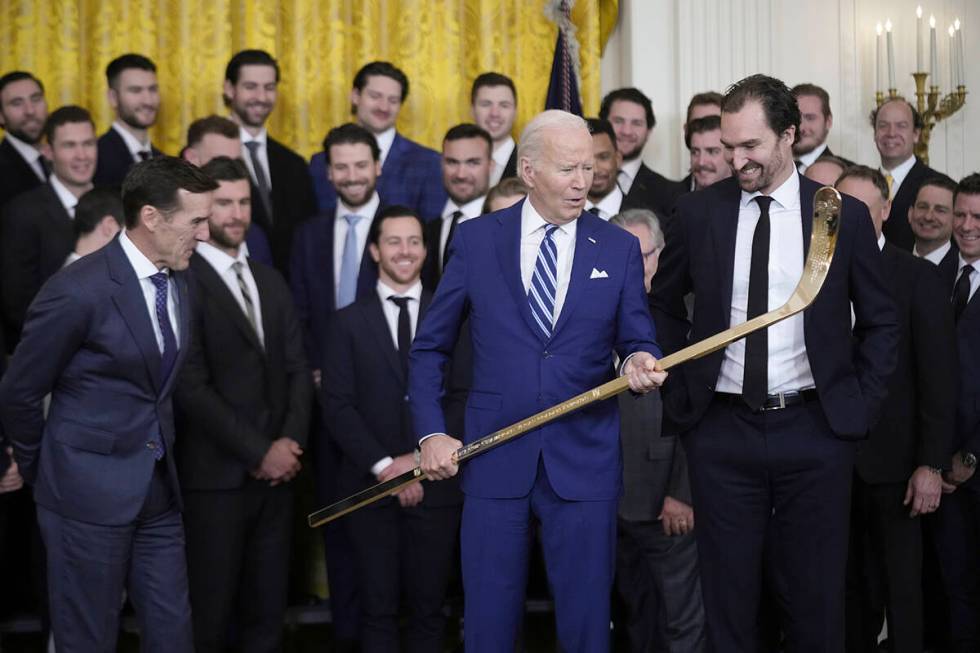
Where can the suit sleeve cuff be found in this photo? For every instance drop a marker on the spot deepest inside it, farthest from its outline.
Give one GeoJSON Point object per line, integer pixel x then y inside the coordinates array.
{"type": "Point", "coordinates": [381, 465]}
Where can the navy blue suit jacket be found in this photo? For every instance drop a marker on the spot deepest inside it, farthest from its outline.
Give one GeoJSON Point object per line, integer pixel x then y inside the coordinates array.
{"type": "Point", "coordinates": [967, 436]}
{"type": "Point", "coordinates": [312, 280]}
{"type": "Point", "coordinates": [851, 368]}
{"type": "Point", "coordinates": [114, 160]}
{"type": "Point", "coordinates": [88, 340]}
{"type": "Point", "coordinates": [517, 372]}
{"type": "Point", "coordinates": [411, 176]}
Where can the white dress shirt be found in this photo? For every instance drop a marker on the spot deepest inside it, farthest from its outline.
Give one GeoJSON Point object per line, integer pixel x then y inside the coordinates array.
{"type": "Point", "coordinates": [935, 256]}
{"type": "Point", "coordinates": [144, 270]}
{"type": "Point", "coordinates": [391, 312]}
{"type": "Point", "coordinates": [470, 210]}
{"type": "Point", "coordinates": [361, 229]}
{"type": "Point", "coordinates": [789, 367]}
{"type": "Point", "coordinates": [500, 157]}
{"type": "Point", "coordinates": [262, 153]}
{"type": "Point", "coordinates": [385, 140]}
{"type": "Point", "coordinates": [627, 174]}
{"type": "Point", "coordinates": [65, 196]}
{"type": "Point", "coordinates": [974, 276]}
{"type": "Point", "coordinates": [609, 205]}
{"type": "Point", "coordinates": [806, 160]}
{"type": "Point", "coordinates": [223, 264]}
{"type": "Point", "coordinates": [133, 145]}
{"type": "Point", "coordinates": [532, 233]}
{"type": "Point", "coordinates": [30, 154]}
{"type": "Point", "coordinates": [900, 172]}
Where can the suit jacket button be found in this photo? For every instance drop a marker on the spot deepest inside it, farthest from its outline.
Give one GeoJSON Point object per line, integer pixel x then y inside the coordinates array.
{"type": "Point", "coordinates": [405, 397]}
{"type": "Point", "coordinates": [151, 445]}
{"type": "Point", "coordinates": [547, 354]}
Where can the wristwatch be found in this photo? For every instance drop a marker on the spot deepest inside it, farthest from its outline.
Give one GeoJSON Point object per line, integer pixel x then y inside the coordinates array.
{"type": "Point", "coordinates": [968, 459]}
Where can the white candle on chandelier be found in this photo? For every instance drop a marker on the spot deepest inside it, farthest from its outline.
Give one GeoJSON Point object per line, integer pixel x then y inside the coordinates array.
{"type": "Point", "coordinates": [878, 84]}
{"type": "Point", "coordinates": [933, 53]}
{"type": "Point", "coordinates": [891, 54]}
{"type": "Point", "coordinates": [919, 47]}
{"type": "Point", "coordinates": [953, 72]}
{"type": "Point", "coordinates": [959, 53]}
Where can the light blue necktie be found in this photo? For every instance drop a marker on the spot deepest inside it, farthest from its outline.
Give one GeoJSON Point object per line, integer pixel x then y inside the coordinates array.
{"type": "Point", "coordinates": [349, 264]}
{"type": "Point", "coordinates": [544, 283]}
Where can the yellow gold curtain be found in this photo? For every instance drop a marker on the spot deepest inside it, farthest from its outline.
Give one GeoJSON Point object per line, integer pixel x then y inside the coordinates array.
{"type": "Point", "coordinates": [441, 45]}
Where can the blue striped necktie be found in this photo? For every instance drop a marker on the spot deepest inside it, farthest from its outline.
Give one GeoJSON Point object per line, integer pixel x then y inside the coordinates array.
{"type": "Point", "coordinates": [544, 282]}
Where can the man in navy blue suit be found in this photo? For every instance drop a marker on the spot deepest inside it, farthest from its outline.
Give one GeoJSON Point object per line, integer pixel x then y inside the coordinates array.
{"type": "Point", "coordinates": [105, 338]}
{"type": "Point", "coordinates": [411, 174]}
{"type": "Point", "coordinates": [549, 292]}
{"type": "Point", "coordinates": [768, 422]}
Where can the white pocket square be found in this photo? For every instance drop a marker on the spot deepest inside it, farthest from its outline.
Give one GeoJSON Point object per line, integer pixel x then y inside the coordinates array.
{"type": "Point", "coordinates": [599, 274]}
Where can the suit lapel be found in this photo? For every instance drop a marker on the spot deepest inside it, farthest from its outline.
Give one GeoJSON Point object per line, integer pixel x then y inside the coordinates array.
{"type": "Point", "coordinates": [507, 243]}
{"type": "Point", "coordinates": [725, 226]}
{"type": "Point", "coordinates": [378, 326]}
{"type": "Point", "coordinates": [131, 303]}
{"type": "Point", "coordinates": [179, 279]}
{"type": "Point", "coordinates": [586, 251]}
{"type": "Point", "coordinates": [216, 289]}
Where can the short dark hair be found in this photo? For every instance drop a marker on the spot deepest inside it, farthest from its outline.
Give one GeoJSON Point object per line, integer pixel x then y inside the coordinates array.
{"type": "Point", "coordinates": [92, 207]}
{"type": "Point", "coordinates": [916, 117]}
{"type": "Point", "coordinates": [492, 79]}
{"type": "Point", "coordinates": [249, 58]}
{"type": "Point", "coordinates": [778, 103]}
{"type": "Point", "coordinates": [155, 183]}
{"type": "Point", "coordinates": [211, 125]}
{"type": "Point", "coordinates": [938, 180]}
{"type": "Point", "coordinates": [969, 185]}
{"type": "Point", "coordinates": [393, 211]}
{"type": "Point", "coordinates": [700, 126]}
{"type": "Point", "coordinates": [815, 91]}
{"type": "Point", "coordinates": [384, 69]}
{"type": "Point", "coordinates": [702, 99]}
{"type": "Point", "coordinates": [63, 115]}
{"type": "Point", "coordinates": [126, 62]}
{"type": "Point", "coordinates": [222, 168]}
{"type": "Point", "coordinates": [468, 130]}
{"type": "Point", "coordinates": [601, 126]}
{"type": "Point", "coordinates": [506, 187]}
{"type": "Point", "coordinates": [351, 134]}
{"type": "Point", "coordinates": [840, 162]}
{"type": "Point", "coordinates": [867, 174]}
{"type": "Point", "coordinates": [630, 94]}
{"type": "Point", "coordinates": [16, 76]}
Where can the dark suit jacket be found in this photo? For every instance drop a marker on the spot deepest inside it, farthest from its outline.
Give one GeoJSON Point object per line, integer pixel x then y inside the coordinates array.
{"type": "Point", "coordinates": [897, 229]}
{"type": "Point", "coordinates": [431, 269]}
{"type": "Point", "coordinates": [510, 170]}
{"type": "Point", "coordinates": [89, 342]}
{"type": "Point", "coordinates": [851, 374]}
{"type": "Point", "coordinates": [37, 236]}
{"type": "Point", "coordinates": [16, 174]}
{"type": "Point", "coordinates": [312, 281]}
{"type": "Point", "coordinates": [411, 176]}
{"type": "Point", "coordinates": [967, 436]}
{"type": "Point", "coordinates": [365, 397]}
{"type": "Point", "coordinates": [114, 160]}
{"type": "Point", "coordinates": [234, 396]}
{"type": "Point", "coordinates": [918, 416]}
{"type": "Point", "coordinates": [651, 190]}
{"type": "Point", "coordinates": [292, 201]}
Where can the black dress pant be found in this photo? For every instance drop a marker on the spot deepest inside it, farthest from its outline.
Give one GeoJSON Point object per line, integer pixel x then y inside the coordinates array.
{"type": "Point", "coordinates": [238, 546]}
{"type": "Point", "coordinates": [957, 536]}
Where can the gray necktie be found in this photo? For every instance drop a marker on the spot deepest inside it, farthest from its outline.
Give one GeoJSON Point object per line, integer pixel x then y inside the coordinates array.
{"type": "Point", "coordinates": [265, 190]}
{"type": "Point", "coordinates": [246, 295]}
{"type": "Point", "coordinates": [349, 264]}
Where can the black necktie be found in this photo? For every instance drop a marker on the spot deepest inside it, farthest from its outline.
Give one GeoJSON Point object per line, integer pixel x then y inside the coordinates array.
{"type": "Point", "coordinates": [144, 155]}
{"type": "Point", "coordinates": [961, 291]}
{"type": "Point", "coordinates": [404, 330]}
{"type": "Point", "coordinates": [457, 214]}
{"type": "Point", "coordinates": [594, 211]}
{"type": "Point", "coordinates": [755, 383]}
{"type": "Point", "coordinates": [45, 167]}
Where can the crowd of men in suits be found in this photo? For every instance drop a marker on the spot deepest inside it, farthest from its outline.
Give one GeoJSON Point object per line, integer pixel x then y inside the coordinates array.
{"type": "Point", "coordinates": [155, 422]}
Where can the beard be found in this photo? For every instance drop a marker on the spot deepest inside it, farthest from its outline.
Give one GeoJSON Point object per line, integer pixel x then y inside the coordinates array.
{"type": "Point", "coordinates": [133, 120]}
{"type": "Point", "coordinates": [767, 174]}
{"type": "Point", "coordinates": [219, 236]}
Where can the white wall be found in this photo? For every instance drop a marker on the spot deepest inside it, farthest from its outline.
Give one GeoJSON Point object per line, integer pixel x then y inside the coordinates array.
{"type": "Point", "coordinates": [672, 49]}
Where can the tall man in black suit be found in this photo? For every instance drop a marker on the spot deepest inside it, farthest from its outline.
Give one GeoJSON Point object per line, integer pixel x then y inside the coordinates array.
{"type": "Point", "coordinates": [23, 111]}
{"type": "Point", "coordinates": [106, 338]}
{"type": "Point", "coordinates": [897, 126]}
{"type": "Point", "coordinates": [466, 167]}
{"type": "Point", "coordinates": [631, 115]}
{"type": "Point", "coordinates": [494, 106]}
{"type": "Point", "coordinates": [134, 96]}
{"type": "Point", "coordinates": [404, 545]}
{"type": "Point", "coordinates": [656, 556]}
{"type": "Point", "coordinates": [816, 120]}
{"type": "Point", "coordinates": [243, 402]}
{"type": "Point", "coordinates": [282, 195]}
{"type": "Point", "coordinates": [898, 470]}
{"type": "Point", "coordinates": [768, 422]}
{"type": "Point", "coordinates": [931, 218]}
{"type": "Point", "coordinates": [36, 227]}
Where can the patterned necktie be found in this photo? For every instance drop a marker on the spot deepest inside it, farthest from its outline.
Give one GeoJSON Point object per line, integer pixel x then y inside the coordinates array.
{"type": "Point", "coordinates": [169, 354]}
{"type": "Point", "coordinates": [755, 382]}
{"type": "Point", "coordinates": [349, 264]}
{"type": "Point", "coordinates": [457, 214]}
{"type": "Point", "coordinates": [961, 292]}
{"type": "Point", "coordinates": [404, 330]}
{"type": "Point", "coordinates": [544, 282]}
{"type": "Point", "coordinates": [246, 296]}
{"type": "Point", "coordinates": [265, 190]}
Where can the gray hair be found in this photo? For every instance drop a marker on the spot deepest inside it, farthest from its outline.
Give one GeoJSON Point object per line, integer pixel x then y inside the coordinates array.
{"type": "Point", "coordinates": [644, 217]}
{"type": "Point", "coordinates": [533, 137]}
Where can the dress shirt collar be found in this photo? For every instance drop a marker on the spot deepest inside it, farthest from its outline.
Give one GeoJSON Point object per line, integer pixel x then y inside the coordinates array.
{"type": "Point", "coordinates": [531, 221]}
{"type": "Point", "coordinates": [133, 145]}
{"type": "Point", "coordinates": [632, 168]}
{"type": "Point", "coordinates": [787, 195]}
{"type": "Point", "coordinates": [385, 291]}
{"type": "Point", "coordinates": [385, 140]}
{"type": "Point", "coordinates": [367, 211]}
{"type": "Point", "coordinates": [935, 256]}
{"type": "Point", "coordinates": [65, 196]}
{"type": "Point", "coordinates": [609, 205]}
{"type": "Point", "coordinates": [143, 266]}
{"type": "Point", "coordinates": [808, 158]}
{"type": "Point", "coordinates": [501, 155]}
{"type": "Point", "coordinates": [262, 137]}
{"type": "Point", "coordinates": [472, 209]}
{"type": "Point", "coordinates": [219, 259]}
{"type": "Point", "coordinates": [30, 153]}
